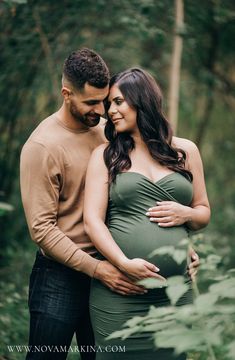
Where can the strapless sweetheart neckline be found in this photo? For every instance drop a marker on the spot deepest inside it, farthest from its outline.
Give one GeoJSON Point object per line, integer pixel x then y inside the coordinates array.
{"type": "Point", "coordinates": [145, 177]}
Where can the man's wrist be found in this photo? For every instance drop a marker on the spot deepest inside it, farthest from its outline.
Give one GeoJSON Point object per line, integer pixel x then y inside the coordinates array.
{"type": "Point", "coordinates": [96, 271]}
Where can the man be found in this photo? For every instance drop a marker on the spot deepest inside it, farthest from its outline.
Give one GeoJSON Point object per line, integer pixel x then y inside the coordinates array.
{"type": "Point", "coordinates": [53, 167]}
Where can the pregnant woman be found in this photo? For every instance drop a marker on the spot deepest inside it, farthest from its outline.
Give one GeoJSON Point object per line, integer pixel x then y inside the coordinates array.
{"type": "Point", "coordinates": [142, 163]}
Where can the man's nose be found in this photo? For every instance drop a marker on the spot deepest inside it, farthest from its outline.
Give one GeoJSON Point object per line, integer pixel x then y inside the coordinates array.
{"type": "Point", "coordinates": [99, 109]}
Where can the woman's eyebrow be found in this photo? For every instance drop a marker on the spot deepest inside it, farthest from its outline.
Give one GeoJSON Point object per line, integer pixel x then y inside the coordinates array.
{"type": "Point", "coordinates": [115, 98]}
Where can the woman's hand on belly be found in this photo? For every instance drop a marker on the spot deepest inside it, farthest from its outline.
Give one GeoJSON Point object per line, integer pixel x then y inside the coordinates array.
{"type": "Point", "coordinates": [140, 269]}
{"type": "Point", "coordinates": [169, 213]}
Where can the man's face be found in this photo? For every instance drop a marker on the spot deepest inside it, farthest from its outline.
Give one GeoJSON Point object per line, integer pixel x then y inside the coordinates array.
{"type": "Point", "coordinates": [86, 106]}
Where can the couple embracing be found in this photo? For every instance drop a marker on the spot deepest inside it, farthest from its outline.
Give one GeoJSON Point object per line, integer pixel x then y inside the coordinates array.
{"type": "Point", "coordinates": [98, 199]}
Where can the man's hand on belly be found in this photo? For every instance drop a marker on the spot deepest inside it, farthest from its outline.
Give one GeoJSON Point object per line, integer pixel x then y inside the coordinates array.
{"type": "Point", "coordinates": [116, 281]}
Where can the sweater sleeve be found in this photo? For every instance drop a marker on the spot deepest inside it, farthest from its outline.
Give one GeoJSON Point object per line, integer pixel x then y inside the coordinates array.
{"type": "Point", "coordinates": [40, 182]}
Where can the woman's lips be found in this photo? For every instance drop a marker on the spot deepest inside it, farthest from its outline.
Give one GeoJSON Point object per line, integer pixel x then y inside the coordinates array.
{"type": "Point", "coordinates": [116, 120]}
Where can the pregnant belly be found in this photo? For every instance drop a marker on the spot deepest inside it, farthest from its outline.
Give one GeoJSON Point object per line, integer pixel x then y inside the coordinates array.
{"type": "Point", "coordinates": [140, 239]}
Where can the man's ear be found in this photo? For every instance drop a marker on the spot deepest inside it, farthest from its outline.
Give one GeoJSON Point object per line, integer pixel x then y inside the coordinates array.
{"type": "Point", "coordinates": [65, 92]}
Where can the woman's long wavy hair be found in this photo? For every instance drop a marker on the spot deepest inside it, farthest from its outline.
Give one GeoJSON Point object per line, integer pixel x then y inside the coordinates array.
{"type": "Point", "coordinates": [142, 93]}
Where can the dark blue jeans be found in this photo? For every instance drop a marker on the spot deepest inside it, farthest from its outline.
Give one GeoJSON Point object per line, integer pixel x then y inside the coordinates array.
{"type": "Point", "coordinates": [59, 307]}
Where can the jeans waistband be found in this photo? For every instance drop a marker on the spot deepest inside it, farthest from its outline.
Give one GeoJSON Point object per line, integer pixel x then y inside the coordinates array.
{"type": "Point", "coordinates": [43, 261]}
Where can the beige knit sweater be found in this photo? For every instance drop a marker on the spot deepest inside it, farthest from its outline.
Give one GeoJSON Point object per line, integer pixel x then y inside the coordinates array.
{"type": "Point", "coordinates": [52, 176]}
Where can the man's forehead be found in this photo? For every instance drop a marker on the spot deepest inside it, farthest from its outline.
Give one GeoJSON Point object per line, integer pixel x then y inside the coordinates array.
{"type": "Point", "coordinates": [92, 92]}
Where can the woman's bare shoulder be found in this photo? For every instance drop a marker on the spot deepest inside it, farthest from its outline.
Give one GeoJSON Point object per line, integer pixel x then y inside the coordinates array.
{"type": "Point", "coordinates": [97, 156]}
{"type": "Point", "coordinates": [100, 149]}
{"type": "Point", "coordinates": [187, 145]}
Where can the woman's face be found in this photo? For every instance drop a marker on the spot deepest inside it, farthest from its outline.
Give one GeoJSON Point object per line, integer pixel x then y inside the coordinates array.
{"type": "Point", "coordinates": [121, 113]}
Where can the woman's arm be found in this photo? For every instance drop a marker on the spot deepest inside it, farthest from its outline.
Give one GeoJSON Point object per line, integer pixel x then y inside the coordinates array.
{"type": "Point", "coordinates": [95, 207]}
{"type": "Point", "coordinates": [199, 215]}
{"type": "Point", "coordinates": [195, 216]}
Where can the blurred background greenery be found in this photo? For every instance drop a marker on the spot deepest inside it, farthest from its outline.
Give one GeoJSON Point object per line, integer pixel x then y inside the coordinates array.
{"type": "Point", "coordinates": [36, 36]}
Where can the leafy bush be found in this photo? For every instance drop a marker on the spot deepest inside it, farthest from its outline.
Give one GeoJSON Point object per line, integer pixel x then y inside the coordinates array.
{"type": "Point", "coordinates": [4, 207]}
{"type": "Point", "coordinates": [205, 327]}
{"type": "Point", "coordinates": [14, 317]}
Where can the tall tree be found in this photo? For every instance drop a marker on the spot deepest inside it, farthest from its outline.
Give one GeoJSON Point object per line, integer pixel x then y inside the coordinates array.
{"type": "Point", "coordinates": [176, 64]}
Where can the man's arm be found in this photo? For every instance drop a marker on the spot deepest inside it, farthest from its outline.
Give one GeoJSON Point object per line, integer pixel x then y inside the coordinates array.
{"type": "Point", "coordinates": [40, 181]}
{"type": "Point", "coordinates": [115, 280]}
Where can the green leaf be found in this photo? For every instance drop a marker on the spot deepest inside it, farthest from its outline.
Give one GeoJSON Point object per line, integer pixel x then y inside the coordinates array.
{"type": "Point", "coordinates": [231, 272]}
{"type": "Point", "coordinates": [225, 309]}
{"type": "Point", "coordinates": [134, 321]}
{"type": "Point", "coordinates": [184, 242]}
{"type": "Point", "coordinates": [204, 303]}
{"type": "Point", "coordinates": [214, 259]}
{"type": "Point", "coordinates": [164, 250]}
{"type": "Point", "coordinates": [179, 256]}
{"type": "Point", "coordinates": [213, 336]}
{"type": "Point", "coordinates": [125, 333]}
{"type": "Point", "coordinates": [231, 350]}
{"type": "Point", "coordinates": [158, 326]}
{"type": "Point", "coordinates": [224, 289]}
{"type": "Point", "coordinates": [175, 280]}
{"type": "Point", "coordinates": [16, 1]}
{"type": "Point", "coordinates": [181, 338]}
{"type": "Point", "coordinates": [160, 311]}
{"type": "Point", "coordinates": [187, 314]}
{"type": "Point", "coordinates": [6, 207]}
{"type": "Point", "coordinates": [175, 292]}
{"type": "Point", "coordinates": [220, 278]}
{"type": "Point", "coordinates": [152, 283]}
{"type": "Point", "coordinates": [213, 322]}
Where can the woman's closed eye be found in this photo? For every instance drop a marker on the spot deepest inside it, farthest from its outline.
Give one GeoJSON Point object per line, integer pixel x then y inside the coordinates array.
{"type": "Point", "coordinates": [118, 101]}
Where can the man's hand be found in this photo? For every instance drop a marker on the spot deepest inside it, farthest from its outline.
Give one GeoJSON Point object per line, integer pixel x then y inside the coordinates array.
{"type": "Point", "coordinates": [116, 281]}
{"type": "Point", "coordinates": [194, 264]}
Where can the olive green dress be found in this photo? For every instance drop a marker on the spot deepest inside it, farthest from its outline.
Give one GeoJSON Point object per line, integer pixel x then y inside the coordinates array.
{"type": "Point", "coordinates": [130, 197]}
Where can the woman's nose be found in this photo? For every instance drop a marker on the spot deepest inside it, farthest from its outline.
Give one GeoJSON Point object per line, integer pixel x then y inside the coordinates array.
{"type": "Point", "coordinates": [112, 110]}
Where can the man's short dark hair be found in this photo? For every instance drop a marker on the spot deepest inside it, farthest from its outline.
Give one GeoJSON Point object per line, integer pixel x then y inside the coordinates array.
{"type": "Point", "coordinates": [86, 65]}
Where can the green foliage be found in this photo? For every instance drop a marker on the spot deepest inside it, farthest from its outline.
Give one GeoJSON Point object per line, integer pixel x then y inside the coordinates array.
{"type": "Point", "coordinates": [4, 207]}
{"type": "Point", "coordinates": [206, 326]}
{"type": "Point", "coordinates": [178, 254]}
{"type": "Point", "coordinates": [36, 36]}
{"type": "Point", "coordinates": [14, 317]}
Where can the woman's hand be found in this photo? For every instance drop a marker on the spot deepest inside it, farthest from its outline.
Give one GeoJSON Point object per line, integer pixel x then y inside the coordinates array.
{"type": "Point", "coordinates": [140, 269]}
{"type": "Point", "coordinates": [169, 213]}
{"type": "Point", "coordinates": [194, 264]}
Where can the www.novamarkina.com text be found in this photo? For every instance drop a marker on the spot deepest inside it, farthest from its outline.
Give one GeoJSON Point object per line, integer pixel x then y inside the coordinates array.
{"type": "Point", "coordinates": [58, 349]}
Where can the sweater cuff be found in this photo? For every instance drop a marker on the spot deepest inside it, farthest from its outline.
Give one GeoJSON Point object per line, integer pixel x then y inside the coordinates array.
{"type": "Point", "coordinates": [89, 265]}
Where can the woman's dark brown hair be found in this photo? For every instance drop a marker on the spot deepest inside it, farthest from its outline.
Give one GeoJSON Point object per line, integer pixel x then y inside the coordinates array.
{"type": "Point", "coordinates": [143, 94]}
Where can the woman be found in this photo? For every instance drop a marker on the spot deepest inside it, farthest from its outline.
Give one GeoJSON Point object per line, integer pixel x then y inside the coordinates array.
{"type": "Point", "coordinates": [141, 163]}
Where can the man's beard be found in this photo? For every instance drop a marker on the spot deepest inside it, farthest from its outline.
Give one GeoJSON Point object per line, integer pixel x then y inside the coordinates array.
{"type": "Point", "coordinates": [89, 119]}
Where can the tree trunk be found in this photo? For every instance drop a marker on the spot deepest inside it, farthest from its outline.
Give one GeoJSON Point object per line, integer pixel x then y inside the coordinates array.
{"type": "Point", "coordinates": [210, 66]}
{"type": "Point", "coordinates": [175, 65]}
{"type": "Point", "coordinates": [206, 118]}
{"type": "Point", "coordinates": [48, 56]}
